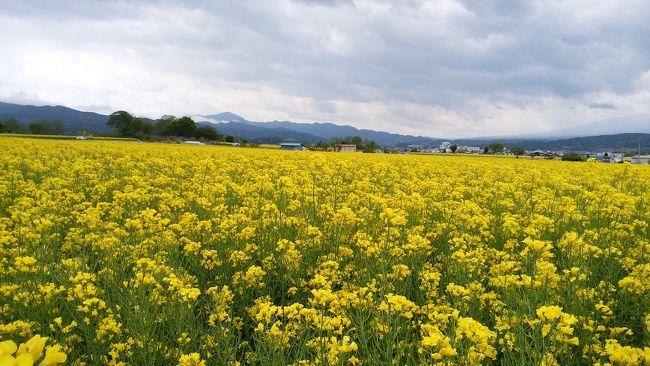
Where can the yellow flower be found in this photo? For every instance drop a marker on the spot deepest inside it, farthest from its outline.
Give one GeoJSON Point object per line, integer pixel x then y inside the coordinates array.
{"type": "Point", "coordinates": [309, 254]}
{"type": "Point", "coordinates": [184, 338]}
{"type": "Point", "coordinates": [34, 346]}
{"type": "Point", "coordinates": [7, 348]}
{"type": "Point", "coordinates": [25, 264]}
{"type": "Point", "coordinates": [24, 359]}
{"type": "Point", "coordinates": [193, 359]}
{"type": "Point", "coordinates": [398, 304]}
{"type": "Point", "coordinates": [53, 356]}
{"type": "Point", "coordinates": [29, 352]}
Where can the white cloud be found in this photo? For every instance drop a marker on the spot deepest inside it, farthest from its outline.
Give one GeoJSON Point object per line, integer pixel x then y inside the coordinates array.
{"type": "Point", "coordinates": [443, 68]}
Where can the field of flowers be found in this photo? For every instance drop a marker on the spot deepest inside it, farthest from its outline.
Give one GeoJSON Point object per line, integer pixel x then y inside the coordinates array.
{"type": "Point", "coordinates": [151, 254]}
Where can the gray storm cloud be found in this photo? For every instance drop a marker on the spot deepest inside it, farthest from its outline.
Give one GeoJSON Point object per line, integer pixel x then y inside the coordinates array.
{"type": "Point", "coordinates": [439, 68]}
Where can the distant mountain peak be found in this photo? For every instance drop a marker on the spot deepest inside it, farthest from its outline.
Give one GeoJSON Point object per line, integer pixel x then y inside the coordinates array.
{"type": "Point", "coordinates": [223, 117]}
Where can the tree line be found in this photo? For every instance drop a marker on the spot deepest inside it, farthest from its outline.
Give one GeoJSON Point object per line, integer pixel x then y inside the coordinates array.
{"type": "Point", "coordinates": [126, 125]}
{"type": "Point", "coordinates": [497, 148]}
{"type": "Point", "coordinates": [38, 127]}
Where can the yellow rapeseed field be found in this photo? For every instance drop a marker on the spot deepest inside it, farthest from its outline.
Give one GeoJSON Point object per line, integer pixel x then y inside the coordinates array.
{"type": "Point", "coordinates": [115, 253]}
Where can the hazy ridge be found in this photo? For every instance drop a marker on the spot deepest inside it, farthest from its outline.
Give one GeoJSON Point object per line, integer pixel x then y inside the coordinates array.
{"type": "Point", "coordinates": [620, 134]}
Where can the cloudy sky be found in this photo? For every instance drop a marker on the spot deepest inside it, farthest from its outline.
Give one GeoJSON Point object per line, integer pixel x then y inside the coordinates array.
{"type": "Point", "coordinates": [444, 68]}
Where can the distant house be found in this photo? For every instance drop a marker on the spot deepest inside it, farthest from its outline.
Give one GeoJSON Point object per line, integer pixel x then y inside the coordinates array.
{"type": "Point", "coordinates": [291, 145]}
{"type": "Point", "coordinates": [639, 159]}
{"type": "Point", "coordinates": [469, 149]}
{"type": "Point", "coordinates": [430, 150]}
{"type": "Point", "coordinates": [348, 148]}
{"type": "Point", "coordinates": [609, 157]}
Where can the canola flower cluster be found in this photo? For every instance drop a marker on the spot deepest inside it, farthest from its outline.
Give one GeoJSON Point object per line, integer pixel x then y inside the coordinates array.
{"type": "Point", "coordinates": [120, 253]}
{"type": "Point", "coordinates": [29, 352]}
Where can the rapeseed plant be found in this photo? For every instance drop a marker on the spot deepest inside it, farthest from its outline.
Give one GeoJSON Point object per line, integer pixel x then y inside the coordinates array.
{"type": "Point", "coordinates": [115, 253]}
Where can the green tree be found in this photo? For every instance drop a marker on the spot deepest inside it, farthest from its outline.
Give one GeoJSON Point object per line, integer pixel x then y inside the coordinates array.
{"type": "Point", "coordinates": [572, 157]}
{"type": "Point", "coordinates": [148, 128]}
{"type": "Point", "coordinates": [125, 124]}
{"type": "Point", "coordinates": [495, 147]}
{"type": "Point", "coordinates": [356, 140]}
{"type": "Point", "coordinates": [39, 127]}
{"type": "Point", "coordinates": [11, 126]}
{"type": "Point", "coordinates": [207, 133]}
{"type": "Point", "coordinates": [45, 127]}
{"type": "Point", "coordinates": [183, 126]}
{"type": "Point", "coordinates": [320, 145]}
{"type": "Point", "coordinates": [163, 125]}
{"type": "Point", "coordinates": [453, 148]}
{"type": "Point", "coordinates": [517, 151]}
{"type": "Point", "coordinates": [369, 146]}
{"type": "Point", "coordinates": [57, 127]}
{"type": "Point", "coordinates": [335, 141]}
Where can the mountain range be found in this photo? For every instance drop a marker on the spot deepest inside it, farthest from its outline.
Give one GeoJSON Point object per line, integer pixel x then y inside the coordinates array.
{"type": "Point", "coordinates": [72, 119]}
{"type": "Point", "coordinates": [621, 134]}
{"type": "Point", "coordinates": [603, 135]}
{"type": "Point", "coordinates": [232, 124]}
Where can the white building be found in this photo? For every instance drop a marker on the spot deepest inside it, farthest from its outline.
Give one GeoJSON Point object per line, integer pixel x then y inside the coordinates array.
{"type": "Point", "coordinates": [348, 148]}
{"type": "Point", "coordinates": [469, 149]}
{"type": "Point", "coordinates": [639, 159]}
